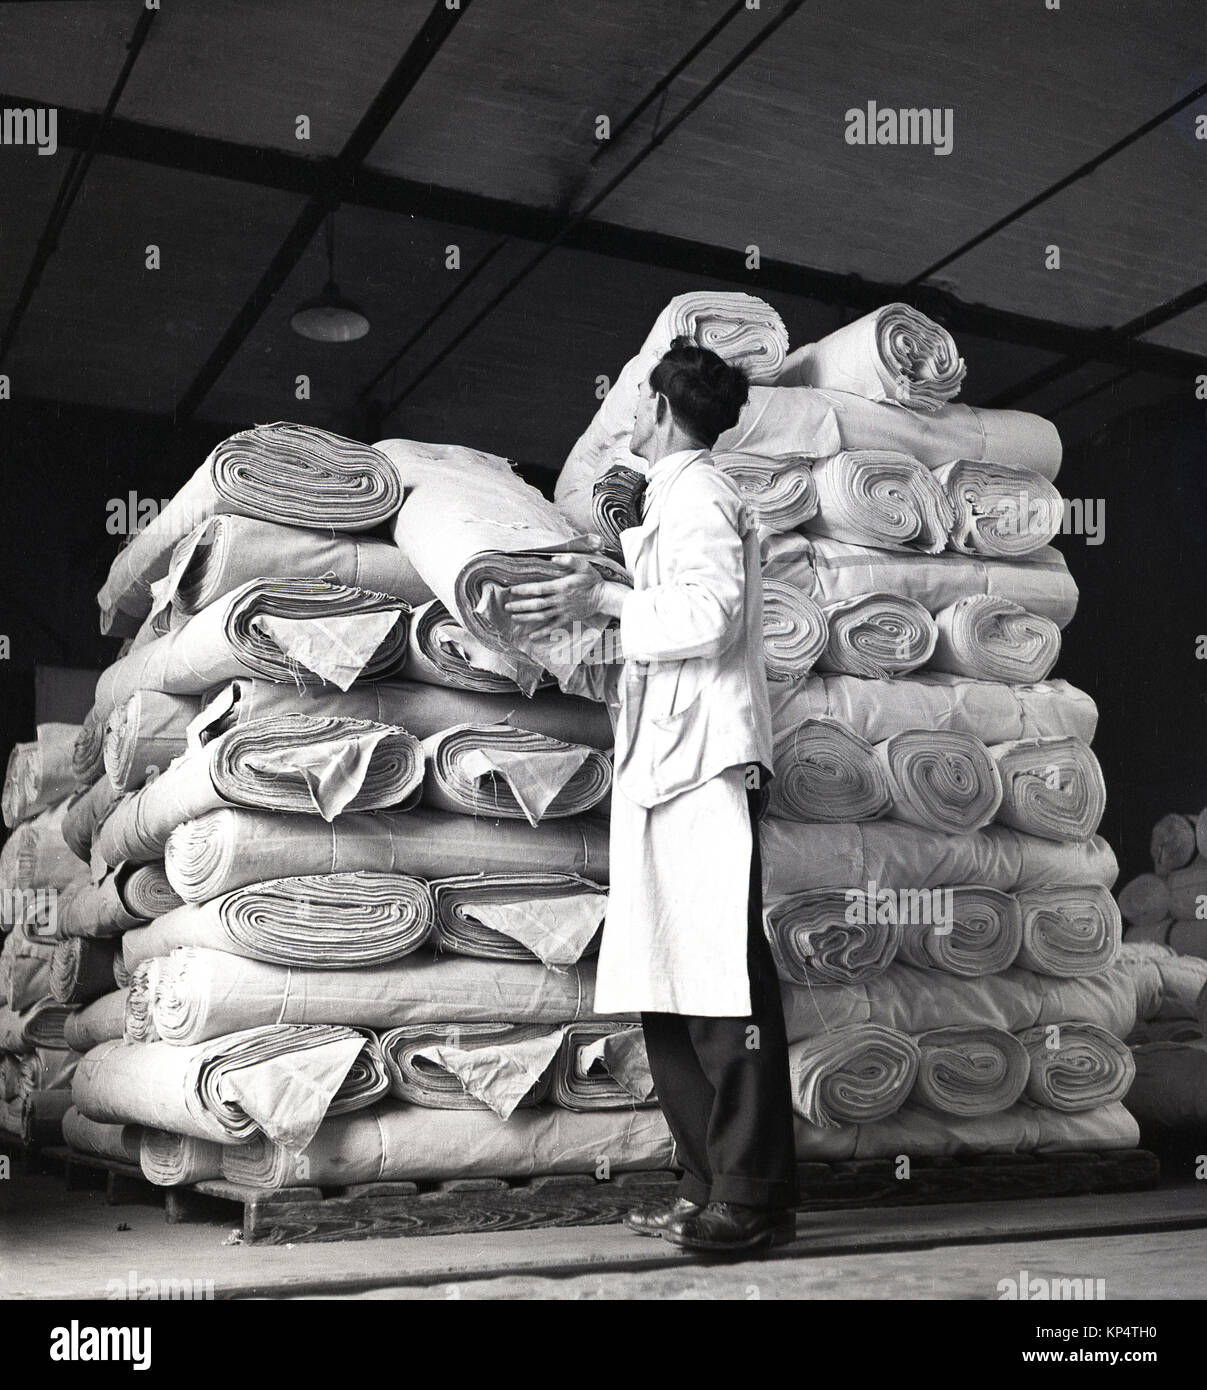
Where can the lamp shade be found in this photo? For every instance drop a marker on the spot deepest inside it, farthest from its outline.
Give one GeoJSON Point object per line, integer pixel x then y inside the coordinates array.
{"type": "Point", "coordinates": [330, 318]}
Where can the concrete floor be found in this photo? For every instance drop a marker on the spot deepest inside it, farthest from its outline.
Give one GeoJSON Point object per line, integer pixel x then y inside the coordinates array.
{"type": "Point", "coordinates": [60, 1244]}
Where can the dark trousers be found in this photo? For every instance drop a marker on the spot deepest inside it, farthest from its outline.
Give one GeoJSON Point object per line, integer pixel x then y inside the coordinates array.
{"type": "Point", "coordinates": [723, 1082]}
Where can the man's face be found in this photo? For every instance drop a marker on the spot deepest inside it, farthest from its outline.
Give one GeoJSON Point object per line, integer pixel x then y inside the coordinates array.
{"type": "Point", "coordinates": [644, 421]}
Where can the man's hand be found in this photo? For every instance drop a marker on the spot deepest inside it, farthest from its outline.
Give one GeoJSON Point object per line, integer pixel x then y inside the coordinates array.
{"type": "Point", "coordinates": [537, 609]}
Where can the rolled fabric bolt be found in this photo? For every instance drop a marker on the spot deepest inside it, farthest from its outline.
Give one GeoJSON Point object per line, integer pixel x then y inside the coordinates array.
{"type": "Point", "coordinates": [601, 1066]}
{"type": "Point", "coordinates": [553, 918]}
{"type": "Point", "coordinates": [781, 490]}
{"type": "Point", "coordinates": [125, 897]}
{"type": "Point", "coordinates": [738, 327]}
{"type": "Point", "coordinates": [993, 639]}
{"type": "Point", "coordinates": [1051, 787]}
{"type": "Point", "coordinates": [226, 551]}
{"type": "Point", "coordinates": [896, 855]}
{"type": "Point", "coordinates": [276, 1081]}
{"type": "Point", "coordinates": [471, 558]}
{"type": "Point", "coordinates": [1001, 512]}
{"type": "Point", "coordinates": [470, 1066]}
{"type": "Point", "coordinates": [830, 571]}
{"type": "Point", "coordinates": [121, 976]}
{"type": "Point", "coordinates": [826, 773]}
{"type": "Point", "coordinates": [84, 815]}
{"type": "Point", "coordinates": [283, 472]}
{"type": "Point", "coordinates": [940, 779]}
{"type": "Point", "coordinates": [230, 848]}
{"type": "Point", "coordinates": [441, 651]}
{"type": "Point", "coordinates": [932, 700]}
{"type": "Point", "coordinates": [367, 1080]}
{"type": "Point", "coordinates": [493, 769]}
{"type": "Point", "coordinates": [37, 856]}
{"type": "Point", "coordinates": [307, 631]}
{"type": "Point", "coordinates": [877, 635]}
{"type": "Point", "coordinates": [982, 937]}
{"type": "Point", "coordinates": [830, 936]}
{"type": "Point", "coordinates": [1144, 900]}
{"type": "Point", "coordinates": [1173, 843]}
{"type": "Point", "coordinates": [856, 1074]}
{"type": "Point", "coordinates": [101, 1140]}
{"type": "Point", "coordinates": [293, 763]}
{"type": "Point", "coordinates": [880, 499]}
{"type": "Point", "coordinates": [146, 891]}
{"type": "Point", "coordinates": [100, 1021]}
{"type": "Point", "coordinates": [324, 921]}
{"type": "Point", "coordinates": [81, 971]}
{"type": "Point", "coordinates": [139, 1025]}
{"type": "Point", "coordinates": [205, 994]}
{"type": "Point", "coordinates": [171, 1160]}
{"type": "Point", "coordinates": [794, 631]}
{"type": "Point", "coordinates": [893, 354]}
{"type": "Point", "coordinates": [88, 752]}
{"type": "Point", "coordinates": [970, 1071]}
{"type": "Point", "coordinates": [1077, 1066]}
{"type": "Point", "coordinates": [616, 503]}
{"type": "Point", "coordinates": [39, 773]}
{"type": "Point", "coordinates": [143, 735]}
{"type": "Point", "coordinates": [1069, 931]}
{"type": "Point", "coordinates": [394, 1140]}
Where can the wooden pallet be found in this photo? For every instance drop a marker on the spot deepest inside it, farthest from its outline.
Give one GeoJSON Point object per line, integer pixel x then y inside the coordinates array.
{"type": "Point", "coordinates": [296, 1215]}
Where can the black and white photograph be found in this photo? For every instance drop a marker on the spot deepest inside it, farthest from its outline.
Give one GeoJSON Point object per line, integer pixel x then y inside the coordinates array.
{"type": "Point", "coordinates": [603, 670]}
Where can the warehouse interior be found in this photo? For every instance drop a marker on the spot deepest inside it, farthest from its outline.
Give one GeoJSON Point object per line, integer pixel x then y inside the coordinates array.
{"type": "Point", "coordinates": [218, 163]}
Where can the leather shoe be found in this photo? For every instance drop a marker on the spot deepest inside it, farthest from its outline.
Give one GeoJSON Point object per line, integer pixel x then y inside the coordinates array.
{"type": "Point", "coordinates": [722, 1228]}
{"type": "Point", "coordinates": [653, 1221]}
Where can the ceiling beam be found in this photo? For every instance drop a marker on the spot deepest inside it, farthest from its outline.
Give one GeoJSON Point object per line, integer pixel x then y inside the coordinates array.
{"type": "Point", "coordinates": [292, 173]}
{"type": "Point", "coordinates": [73, 181]}
{"type": "Point", "coordinates": [335, 177]}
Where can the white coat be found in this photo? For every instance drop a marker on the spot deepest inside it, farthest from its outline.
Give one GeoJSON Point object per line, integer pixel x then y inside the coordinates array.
{"type": "Point", "coordinates": [691, 714]}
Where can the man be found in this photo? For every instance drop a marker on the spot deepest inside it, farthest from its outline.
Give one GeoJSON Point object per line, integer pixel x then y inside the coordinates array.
{"type": "Point", "coordinates": [683, 940]}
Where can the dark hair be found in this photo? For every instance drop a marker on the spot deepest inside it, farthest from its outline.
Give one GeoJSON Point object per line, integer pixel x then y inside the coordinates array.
{"type": "Point", "coordinates": [705, 392]}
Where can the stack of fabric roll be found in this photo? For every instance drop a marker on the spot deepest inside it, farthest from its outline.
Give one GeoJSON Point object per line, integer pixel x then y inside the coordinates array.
{"type": "Point", "coordinates": [938, 902]}
{"type": "Point", "coordinates": [1166, 916]}
{"type": "Point", "coordinates": [1169, 905]}
{"type": "Point", "coordinates": [37, 871]}
{"type": "Point", "coordinates": [352, 846]}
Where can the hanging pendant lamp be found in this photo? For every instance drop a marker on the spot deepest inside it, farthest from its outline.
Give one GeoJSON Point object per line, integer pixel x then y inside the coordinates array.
{"type": "Point", "coordinates": [329, 317]}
